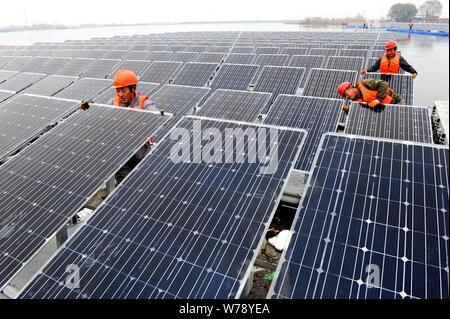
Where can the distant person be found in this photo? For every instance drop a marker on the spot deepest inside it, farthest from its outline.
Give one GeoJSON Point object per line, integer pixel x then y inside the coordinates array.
{"type": "Point", "coordinates": [391, 62]}
{"type": "Point", "coordinates": [411, 25]}
{"type": "Point", "coordinates": [372, 91]}
{"type": "Point", "coordinates": [125, 82]}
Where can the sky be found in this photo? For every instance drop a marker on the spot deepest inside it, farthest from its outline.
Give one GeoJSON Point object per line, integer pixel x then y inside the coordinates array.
{"type": "Point", "coordinates": [75, 12]}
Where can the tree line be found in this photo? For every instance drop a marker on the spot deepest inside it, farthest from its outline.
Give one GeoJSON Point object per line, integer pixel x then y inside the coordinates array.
{"type": "Point", "coordinates": [402, 12]}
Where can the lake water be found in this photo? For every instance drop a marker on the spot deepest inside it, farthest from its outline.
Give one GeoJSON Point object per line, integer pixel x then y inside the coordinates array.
{"type": "Point", "coordinates": [429, 55]}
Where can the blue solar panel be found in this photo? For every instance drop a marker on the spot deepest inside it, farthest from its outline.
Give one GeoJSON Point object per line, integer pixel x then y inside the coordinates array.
{"type": "Point", "coordinates": [372, 223]}
{"type": "Point", "coordinates": [178, 230]}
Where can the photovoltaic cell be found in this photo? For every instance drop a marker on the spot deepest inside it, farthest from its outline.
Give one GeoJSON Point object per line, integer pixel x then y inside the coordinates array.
{"type": "Point", "coordinates": [85, 89]}
{"type": "Point", "coordinates": [184, 56]}
{"type": "Point", "coordinates": [354, 52]}
{"type": "Point", "coordinates": [372, 223]}
{"type": "Point", "coordinates": [235, 105]}
{"type": "Point", "coordinates": [137, 55]}
{"type": "Point", "coordinates": [21, 81]}
{"type": "Point", "coordinates": [49, 181]}
{"type": "Point", "coordinates": [174, 230]}
{"type": "Point", "coordinates": [324, 82]}
{"type": "Point", "coordinates": [24, 117]}
{"type": "Point", "coordinates": [234, 76]}
{"type": "Point", "coordinates": [393, 121]}
{"type": "Point", "coordinates": [323, 51]}
{"type": "Point", "coordinates": [195, 74]}
{"type": "Point", "coordinates": [116, 54]}
{"type": "Point", "coordinates": [316, 115]}
{"type": "Point", "coordinates": [267, 50]}
{"type": "Point", "coordinates": [240, 58]}
{"type": "Point", "coordinates": [210, 57]}
{"type": "Point", "coordinates": [242, 50]}
{"type": "Point", "coordinates": [279, 80]}
{"type": "Point", "coordinates": [345, 63]}
{"type": "Point", "coordinates": [400, 83]}
{"type": "Point", "coordinates": [160, 71]}
{"type": "Point", "coordinates": [159, 55]}
{"type": "Point", "coordinates": [294, 51]}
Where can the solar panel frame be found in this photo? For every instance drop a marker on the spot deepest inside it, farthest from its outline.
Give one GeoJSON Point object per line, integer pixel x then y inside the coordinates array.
{"type": "Point", "coordinates": [357, 287]}
{"type": "Point", "coordinates": [232, 291]}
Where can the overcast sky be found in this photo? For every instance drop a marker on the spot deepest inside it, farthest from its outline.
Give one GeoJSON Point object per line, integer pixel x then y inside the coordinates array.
{"type": "Point", "coordinates": [75, 12]}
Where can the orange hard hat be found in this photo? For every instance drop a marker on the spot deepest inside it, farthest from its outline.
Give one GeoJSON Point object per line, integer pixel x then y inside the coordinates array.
{"type": "Point", "coordinates": [124, 78]}
{"type": "Point", "coordinates": [391, 45]}
{"type": "Point", "coordinates": [344, 86]}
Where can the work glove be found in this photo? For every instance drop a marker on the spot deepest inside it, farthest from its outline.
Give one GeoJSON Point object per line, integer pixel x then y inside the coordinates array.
{"type": "Point", "coordinates": [374, 103]}
{"type": "Point", "coordinates": [414, 75]}
{"type": "Point", "coordinates": [363, 72]}
{"type": "Point", "coordinates": [161, 111]}
{"type": "Point", "coordinates": [84, 105]}
{"type": "Point", "coordinates": [345, 107]}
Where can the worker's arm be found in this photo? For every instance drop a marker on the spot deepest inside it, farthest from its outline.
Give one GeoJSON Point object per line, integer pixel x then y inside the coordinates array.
{"type": "Point", "coordinates": [378, 85]}
{"type": "Point", "coordinates": [406, 66]}
{"type": "Point", "coordinates": [375, 67]}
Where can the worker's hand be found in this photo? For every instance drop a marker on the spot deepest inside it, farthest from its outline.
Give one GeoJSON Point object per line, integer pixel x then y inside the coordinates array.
{"type": "Point", "coordinates": [345, 107]}
{"type": "Point", "coordinates": [161, 111]}
{"type": "Point", "coordinates": [414, 75]}
{"type": "Point", "coordinates": [363, 72]}
{"type": "Point", "coordinates": [374, 103]}
{"type": "Point", "coordinates": [84, 105]}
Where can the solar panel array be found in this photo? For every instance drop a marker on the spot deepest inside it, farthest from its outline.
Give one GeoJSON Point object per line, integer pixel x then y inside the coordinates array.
{"type": "Point", "coordinates": [24, 117]}
{"type": "Point", "coordinates": [400, 122]}
{"type": "Point", "coordinates": [324, 82]}
{"type": "Point", "coordinates": [400, 83]}
{"type": "Point", "coordinates": [235, 105]}
{"type": "Point", "coordinates": [371, 224]}
{"type": "Point", "coordinates": [316, 115]}
{"type": "Point", "coordinates": [171, 230]}
{"type": "Point", "coordinates": [49, 181]}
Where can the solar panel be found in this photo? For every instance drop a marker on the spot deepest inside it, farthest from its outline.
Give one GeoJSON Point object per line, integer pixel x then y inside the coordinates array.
{"type": "Point", "coordinates": [205, 222]}
{"type": "Point", "coordinates": [5, 94]}
{"type": "Point", "coordinates": [178, 100]}
{"type": "Point", "coordinates": [116, 54]}
{"type": "Point", "coordinates": [24, 117]}
{"type": "Point", "coordinates": [34, 64]}
{"type": "Point", "coordinates": [97, 54]}
{"type": "Point", "coordinates": [101, 68]}
{"type": "Point", "coordinates": [5, 75]}
{"type": "Point", "coordinates": [195, 74]}
{"type": "Point", "coordinates": [359, 46]}
{"type": "Point", "coordinates": [21, 81]}
{"type": "Point", "coordinates": [323, 51]}
{"type": "Point", "coordinates": [324, 82]}
{"type": "Point", "coordinates": [50, 85]}
{"type": "Point", "coordinates": [196, 48]}
{"type": "Point", "coordinates": [159, 55]}
{"type": "Point", "coordinates": [242, 50]}
{"type": "Point", "coordinates": [279, 80]}
{"type": "Point", "coordinates": [184, 56]}
{"type": "Point", "coordinates": [76, 67]}
{"type": "Point", "coordinates": [372, 223]}
{"type": "Point", "coordinates": [49, 181]}
{"type": "Point", "coordinates": [352, 52]}
{"type": "Point", "coordinates": [53, 65]}
{"type": "Point", "coordinates": [144, 88]}
{"type": "Point", "coordinates": [400, 83]}
{"type": "Point", "coordinates": [294, 51]}
{"type": "Point", "coordinates": [4, 60]}
{"type": "Point", "coordinates": [234, 76]}
{"type": "Point", "coordinates": [235, 105]}
{"type": "Point", "coordinates": [137, 55]}
{"type": "Point", "coordinates": [308, 62]}
{"type": "Point", "coordinates": [316, 115]}
{"type": "Point", "coordinates": [345, 63]}
{"type": "Point", "coordinates": [16, 63]}
{"type": "Point", "coordinates": [85, 89]}
{"type": "Point", "coordinates": [240, 58]}
{"type": "Point", "coordinates": [137, 66]}
{"type": "Point", "coordinates": [219, 49]}
{"type": "Point", "coordinates": [334, 45]}
{"type": "Point", "coordinates": [393, 121]}
{"type": "Point", "coordinates": [210, 57]}
{"type": "Point", "coordinates": [176, 48]}
{"type": "Point", "coordinates": [270, 59]}
{"type": "Point", "coordinates": [267, 50]}
{"type": "Point", "coordinates": [160, 71]}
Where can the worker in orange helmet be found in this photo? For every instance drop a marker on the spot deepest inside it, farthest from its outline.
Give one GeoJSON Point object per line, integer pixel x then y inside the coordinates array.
{"type": "Point", "coordinates": [125, 82]}
{"type": "Point", "coordinates": [391, 62]}
{"type": "Point", "coordinates": [372, 91]}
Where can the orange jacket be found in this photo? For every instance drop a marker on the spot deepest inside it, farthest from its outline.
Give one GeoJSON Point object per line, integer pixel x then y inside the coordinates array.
{"type": "Point", "coordinates": [371, 95]}
{"type": "Point", "coordinates": [141, 99]}
{"type": "Point", "coordinates": [390, 66]}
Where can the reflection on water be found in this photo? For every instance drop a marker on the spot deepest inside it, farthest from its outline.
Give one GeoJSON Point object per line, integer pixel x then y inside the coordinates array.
{"type": "Point", "coordinates": [427, 54]}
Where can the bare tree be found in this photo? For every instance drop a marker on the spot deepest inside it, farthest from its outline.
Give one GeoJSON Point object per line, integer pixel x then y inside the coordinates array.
{"type": "Point", "coordinates": [431, 9]}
